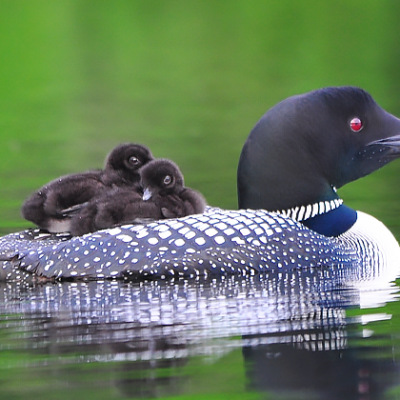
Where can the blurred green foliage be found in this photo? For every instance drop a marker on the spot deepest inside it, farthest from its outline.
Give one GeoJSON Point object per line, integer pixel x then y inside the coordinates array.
{"type": "Point", "coordinates": [189, 79]}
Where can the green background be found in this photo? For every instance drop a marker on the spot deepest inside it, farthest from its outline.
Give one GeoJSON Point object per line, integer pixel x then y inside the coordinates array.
{"type": "Point", "coordinates": [187, 78]}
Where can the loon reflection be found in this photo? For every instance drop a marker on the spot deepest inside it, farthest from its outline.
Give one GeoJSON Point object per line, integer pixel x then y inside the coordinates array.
{"type": "Point", "coordinates": [290, 214]}
{"type": "Point", "coordinates": [292, 328]}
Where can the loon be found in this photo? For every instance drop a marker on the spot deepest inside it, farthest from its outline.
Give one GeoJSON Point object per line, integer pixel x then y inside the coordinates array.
{"type": "Point", "coordinates": [163, 184]}
{"type": "Point", "coordinates": [290, 215]}
{"type": "Point", "coordinates": [164, 197]}
{"type": "Point", "coordinates": [53, 205]}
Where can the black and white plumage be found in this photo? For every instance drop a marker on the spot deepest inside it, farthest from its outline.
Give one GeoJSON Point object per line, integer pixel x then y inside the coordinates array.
{"type": "Point", "coordinates": [295, 157]}
{"type": "Point", "coordinates": [214, 243]}
{"type": "Point", "coordinates": [52, 206]}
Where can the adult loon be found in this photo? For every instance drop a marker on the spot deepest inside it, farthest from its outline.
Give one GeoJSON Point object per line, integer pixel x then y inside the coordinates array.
{"type": "Point", "coordinates": [164, 197]}
{"type": "Point", "coordinates": [52, 206]}
{"type": "Point", "coordinates": [290, 214]}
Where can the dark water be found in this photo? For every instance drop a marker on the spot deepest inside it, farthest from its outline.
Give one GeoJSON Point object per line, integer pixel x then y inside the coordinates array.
{"type": "Point", "coordinates": [190, 79]}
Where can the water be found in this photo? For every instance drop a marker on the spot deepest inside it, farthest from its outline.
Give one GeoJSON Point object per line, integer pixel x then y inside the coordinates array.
{"type": "Point", "coordinates": [189, 79]}
{"type": "Point", "coordinates": [311, 334]}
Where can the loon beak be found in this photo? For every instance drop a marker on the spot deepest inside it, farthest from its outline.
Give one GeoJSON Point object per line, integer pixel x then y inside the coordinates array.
{"type": "Point", "coordinates": [386, 149]}
{"type": "Point", "coordinates": [375, 154]}
{"type": "Point", "coordinates": [391, 144]}
{"type": "Point", "coordinates": [147, 194]}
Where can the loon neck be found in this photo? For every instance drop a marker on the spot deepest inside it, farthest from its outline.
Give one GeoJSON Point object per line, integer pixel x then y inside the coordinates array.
{"type": "Point", "coordinates": [329, 218]}
{"type": "Point", "coordinates": [334, 222]}
{"type": "Point", "coordinates": [303, 213]}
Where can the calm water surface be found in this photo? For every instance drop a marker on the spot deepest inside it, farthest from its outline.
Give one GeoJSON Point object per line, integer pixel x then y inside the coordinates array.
{"type": "Point", "coordinates": [312, 334]}
{"type": "Point", "coordinates": [190, 79]}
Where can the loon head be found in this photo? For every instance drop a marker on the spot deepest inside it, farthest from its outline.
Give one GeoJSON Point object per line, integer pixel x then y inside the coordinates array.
{"type": "Point", "coordinates": [161, 177]}
{"type": "Point", "coordinates": [308, 145]}
{"type": "Point", "coordinates": [126, 159]}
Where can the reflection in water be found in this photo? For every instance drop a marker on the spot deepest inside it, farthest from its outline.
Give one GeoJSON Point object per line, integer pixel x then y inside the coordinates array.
{"type": "Point", "coordinates": [341, 373]}
{"type": "Point", "coordinates": [293, 330]}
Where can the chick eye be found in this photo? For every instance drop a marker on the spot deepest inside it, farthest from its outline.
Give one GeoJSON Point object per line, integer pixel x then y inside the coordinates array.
{"type": "Point", "coordinates": [356, 124]}
{"type": "Point", "coordinates": [167, 180]}
{"type": "Point", "coordinates": [133, 160]}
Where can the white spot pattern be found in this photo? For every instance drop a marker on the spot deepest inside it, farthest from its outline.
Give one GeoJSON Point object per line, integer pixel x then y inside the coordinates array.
{"type": "Point", "coordinates": [224, 241]}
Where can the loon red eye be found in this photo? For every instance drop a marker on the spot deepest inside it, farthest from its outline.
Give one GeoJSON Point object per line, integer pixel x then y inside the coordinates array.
{"type": "Point", "coordinates": [356, 124]}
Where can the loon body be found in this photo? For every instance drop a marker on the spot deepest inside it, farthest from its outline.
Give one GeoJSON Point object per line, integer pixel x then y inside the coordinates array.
{"type": "Point", "coordinates": [290, 214]}
{"type": "Point", "coordinates": [54, 205]}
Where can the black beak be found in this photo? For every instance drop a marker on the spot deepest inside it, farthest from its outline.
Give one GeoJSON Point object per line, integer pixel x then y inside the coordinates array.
{"type": "Point", "coordinates": [375, 155]}
{"type": "Point", "coordinates": [382, 151]}
{"type": "Point", "coordinates": [389, 145]}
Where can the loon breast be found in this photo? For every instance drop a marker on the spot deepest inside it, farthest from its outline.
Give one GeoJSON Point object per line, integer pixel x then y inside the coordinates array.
{"type": "Point", "coordinates": [290, 214]}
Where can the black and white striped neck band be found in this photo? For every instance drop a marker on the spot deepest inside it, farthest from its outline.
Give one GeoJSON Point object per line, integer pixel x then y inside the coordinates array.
{"type": "Point", "coordinates": [305, 212]}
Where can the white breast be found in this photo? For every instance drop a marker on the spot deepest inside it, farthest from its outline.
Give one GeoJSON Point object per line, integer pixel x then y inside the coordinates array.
{"type": "Point", "coordinates": [380, 254]}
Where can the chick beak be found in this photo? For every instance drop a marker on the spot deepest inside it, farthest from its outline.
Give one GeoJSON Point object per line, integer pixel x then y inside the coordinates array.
{"type": "Point", "coordinates": [146, 194]}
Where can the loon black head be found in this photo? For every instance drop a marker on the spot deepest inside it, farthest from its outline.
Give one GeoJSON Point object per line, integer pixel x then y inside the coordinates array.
{"type": "Point", "coordinates": [126, 159]}
{"type": "Point", "coordinates": [162, 177]}
{"type": "Point", "coordinates": [308, 145]}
